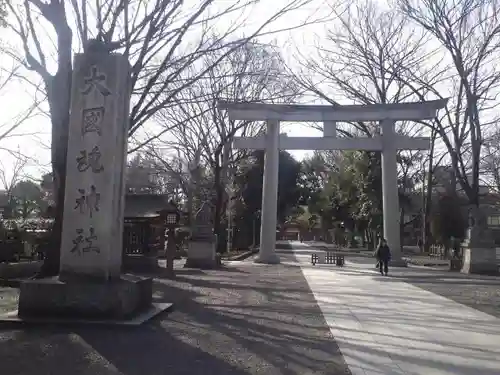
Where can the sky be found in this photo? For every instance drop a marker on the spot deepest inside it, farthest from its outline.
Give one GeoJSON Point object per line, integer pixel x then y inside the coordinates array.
{"type": "Point", "coordinates": [32, 138]}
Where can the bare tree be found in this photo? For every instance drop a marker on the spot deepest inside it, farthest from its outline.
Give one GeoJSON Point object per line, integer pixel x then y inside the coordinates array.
{"type": "Point", "coordinates": [10, 176]}
{"type": "Point", "coordinates": [360, 61]}
{"type": "Point", "coordinates": [13, 174]}
{"type": "Point", "coordinates": [151, 33]}
{"type": "Point", "coordinates": [178, 164]}
{"type": "Point", "coordinates": [252, 73]}
{"type": "Point", "coordinates": [3, 12]}
{"type": "Point", "coordinates": [10, 126]}
{"type": "Point", "coordinates": [490, 162]}
{"type": "Point", "coordinates": [356, 60]}
{"type": "Point", "coordinates": [145, 174]}
{"type": "Point", "coordinates": [430, 49]}
{"type": "Point", "coordinates": [468, 35]}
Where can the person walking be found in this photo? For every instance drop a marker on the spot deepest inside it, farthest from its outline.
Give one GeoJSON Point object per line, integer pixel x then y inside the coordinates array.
{"type": "Point", "coordinates": [420, 245]}
{"type": "Point", "coordinates": [383, 256]}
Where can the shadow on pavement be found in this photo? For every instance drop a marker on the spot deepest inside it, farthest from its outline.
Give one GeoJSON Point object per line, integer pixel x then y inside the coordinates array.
{"type": "Point", "coordinates": [238, 320]}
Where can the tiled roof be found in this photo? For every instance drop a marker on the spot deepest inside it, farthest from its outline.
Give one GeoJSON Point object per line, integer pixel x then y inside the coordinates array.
{"type": "Point", "coordinates": [145, 205]}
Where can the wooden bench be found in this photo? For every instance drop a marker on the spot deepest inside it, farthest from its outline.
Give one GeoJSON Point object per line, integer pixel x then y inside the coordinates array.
{"type": "Point", "coordinates": [329, 257]}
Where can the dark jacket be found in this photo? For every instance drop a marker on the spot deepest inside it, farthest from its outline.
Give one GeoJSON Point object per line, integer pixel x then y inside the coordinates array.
{"type": "Point", "coordinates": [383, 253]}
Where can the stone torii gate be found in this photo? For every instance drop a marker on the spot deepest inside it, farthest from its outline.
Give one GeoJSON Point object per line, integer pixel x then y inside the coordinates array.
{"type": "Point", "coordinates": [388, 143]}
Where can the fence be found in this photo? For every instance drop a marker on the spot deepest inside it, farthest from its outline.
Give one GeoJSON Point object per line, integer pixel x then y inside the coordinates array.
{"type": "Point", "coordinates": [142, 236]}
{"type": "Point", "coordinates": [437, 251]}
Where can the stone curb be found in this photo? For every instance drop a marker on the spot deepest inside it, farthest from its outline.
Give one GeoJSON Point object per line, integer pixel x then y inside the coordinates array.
{"type": "Point", "coordinates": [19, 270]}
{"type": "Point", "coordinates": [284, 246]}
{"type": "Point", "coordinates": [10, 283]}
{"type": "Point", "coordinates": [245, 255]}
{"type": "Point", "coordinates": [425, 263]}
{"type": "Point", "coordinates": [360, 253]}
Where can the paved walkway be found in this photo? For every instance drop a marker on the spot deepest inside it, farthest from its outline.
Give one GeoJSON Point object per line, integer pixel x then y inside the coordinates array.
{"type": "Point", "coordinates": [385, 326]}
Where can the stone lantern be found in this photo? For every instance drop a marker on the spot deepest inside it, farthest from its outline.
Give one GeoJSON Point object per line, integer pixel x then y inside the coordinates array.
{"type": "Point", "coordinates": [171, 219]}
{"type": "Point", "coordinates": [479, 253]}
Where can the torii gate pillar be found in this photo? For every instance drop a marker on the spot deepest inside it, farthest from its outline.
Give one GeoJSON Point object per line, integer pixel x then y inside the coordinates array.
{"type": "Point", "coordinates": [267, 253]}
{"type": "Point", "coordinates": [390, 192]}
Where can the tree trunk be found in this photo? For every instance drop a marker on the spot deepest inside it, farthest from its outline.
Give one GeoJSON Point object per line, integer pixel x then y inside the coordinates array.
{"type": "Point", "coordinates": [370, 240]}
{"type": "Point", "coordinates": [59, 93]}
{"type": "Point", "coordinates": [402, 226]}
{"type": "Point", "coordinates": [218, 209]}
{"type": "Point", "coordinates": [219, 228]}
{"type": "Point", "coordinates": [170, 252]}
{"type": "Point", "coordinates": [426, 230]}
{"type": "Point", "coordinates": [372, 237]}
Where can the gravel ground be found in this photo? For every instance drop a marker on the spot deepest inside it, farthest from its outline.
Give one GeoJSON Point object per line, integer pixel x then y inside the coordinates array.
{"type": "Point", "coordinates": [245, 319]}
{"type": "Point", "coordinates": [479, 292]}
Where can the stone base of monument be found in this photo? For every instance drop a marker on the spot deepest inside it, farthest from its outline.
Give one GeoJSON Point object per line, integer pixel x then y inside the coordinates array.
{"type": "Point", "coordinates": [272, 258]}
{"type": "Point", "coordinates": [126, 301]}
{"type": "Point", "coordinates": [480, 261]}
{"type": "Point", "coordinates": [140, 263]}
{"type": "Point", "coordinates": [202, 254]}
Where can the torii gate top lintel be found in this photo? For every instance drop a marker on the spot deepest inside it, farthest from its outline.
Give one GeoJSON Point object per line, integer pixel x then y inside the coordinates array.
{"type": "Point", "coordinates": [317, 113]}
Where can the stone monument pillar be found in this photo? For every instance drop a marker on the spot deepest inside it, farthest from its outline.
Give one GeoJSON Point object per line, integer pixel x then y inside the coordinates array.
{"type": "Point", "coordinates": [94, 201]}
{"type": "Point", "coordinates": [479, 252]}
{"type": "Point", "coordinates": [90, 284]}
{"type": "Point", "coordinates": [202, 244]}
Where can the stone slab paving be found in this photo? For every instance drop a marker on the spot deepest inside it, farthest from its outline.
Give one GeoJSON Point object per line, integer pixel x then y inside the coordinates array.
{"type": "Point", "coordinates": [386, 325]}
{"type": "Point", "coordinates": [245, 319]}
{"type": "Point", "coordinates": [476, 291]}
